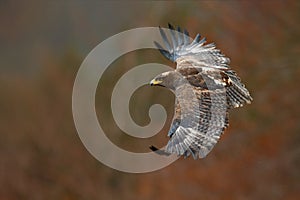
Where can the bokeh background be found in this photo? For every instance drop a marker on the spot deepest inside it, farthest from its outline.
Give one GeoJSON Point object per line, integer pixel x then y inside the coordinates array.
{"type": "Point", "coordinates": [42, 46]}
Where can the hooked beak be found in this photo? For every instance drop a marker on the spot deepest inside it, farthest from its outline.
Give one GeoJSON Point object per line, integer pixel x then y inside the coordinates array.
{"type": "Point", "coordinates": [155, 82]}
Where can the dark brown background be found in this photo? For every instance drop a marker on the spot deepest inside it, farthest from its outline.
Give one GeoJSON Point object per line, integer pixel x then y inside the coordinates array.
{"type": "Point", "coordinates": [42, 47]}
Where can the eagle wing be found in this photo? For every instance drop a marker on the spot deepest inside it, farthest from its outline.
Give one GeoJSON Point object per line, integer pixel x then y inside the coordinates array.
{"type": "Point", "coordinates": [195, 55]}
{"type": "Point", "coordinates": [195, 52]}
{"type": "Point", "coordinates": [211, 118]}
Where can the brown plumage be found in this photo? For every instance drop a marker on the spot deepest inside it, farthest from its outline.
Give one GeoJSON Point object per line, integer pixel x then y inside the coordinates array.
{"type": "Point", "coordinates": [205, 89]}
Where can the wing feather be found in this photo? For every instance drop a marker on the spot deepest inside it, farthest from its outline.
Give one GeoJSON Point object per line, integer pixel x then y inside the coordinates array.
{"type": "Point", "coordinates": [199, 140]}
{"type": "Point", "coordinates": [195, 51]}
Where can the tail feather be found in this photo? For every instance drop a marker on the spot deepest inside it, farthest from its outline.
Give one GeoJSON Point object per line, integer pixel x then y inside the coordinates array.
{"type": "Point", "coordinates": [236, 92]}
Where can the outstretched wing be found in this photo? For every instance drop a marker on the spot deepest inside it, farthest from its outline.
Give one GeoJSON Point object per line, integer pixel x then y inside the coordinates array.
{"type": "Point", "coordinates": [195, 52]}
{"type": "Point", "coordinates": [206, 60]}
{"type": "Point", "coordinates": [212, 120]}
{"type": "Point", "coordinates": [216, 92]}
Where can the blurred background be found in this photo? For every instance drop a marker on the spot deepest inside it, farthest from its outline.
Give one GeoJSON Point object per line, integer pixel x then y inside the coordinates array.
{"type": "Point", "coordinates": [42, 47]}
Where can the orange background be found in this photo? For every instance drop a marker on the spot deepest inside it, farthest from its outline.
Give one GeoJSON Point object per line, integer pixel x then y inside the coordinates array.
{"type": "Point", "coordinates": [42, 47]}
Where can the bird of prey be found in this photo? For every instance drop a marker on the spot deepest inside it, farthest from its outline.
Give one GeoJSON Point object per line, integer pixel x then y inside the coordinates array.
{"type": "Point", "coordinates": [205, 89]}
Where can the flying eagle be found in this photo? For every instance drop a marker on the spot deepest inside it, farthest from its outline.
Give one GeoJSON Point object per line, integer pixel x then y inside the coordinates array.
{"type": "Point", "coordinates": [205, 89]}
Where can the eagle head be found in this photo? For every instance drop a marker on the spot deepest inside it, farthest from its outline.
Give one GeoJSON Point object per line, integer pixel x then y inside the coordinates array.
{"type": "Point", "coordinates": [170, 79]}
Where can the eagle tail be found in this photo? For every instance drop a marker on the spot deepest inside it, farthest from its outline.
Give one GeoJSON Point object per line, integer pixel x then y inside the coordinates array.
{"type": "Point", "coordinates": [236, 92]}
